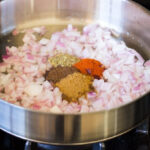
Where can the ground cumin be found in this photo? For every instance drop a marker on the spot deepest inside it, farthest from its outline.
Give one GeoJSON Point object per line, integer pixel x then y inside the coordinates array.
{"type": "Point", "coordinates": [75, 85]}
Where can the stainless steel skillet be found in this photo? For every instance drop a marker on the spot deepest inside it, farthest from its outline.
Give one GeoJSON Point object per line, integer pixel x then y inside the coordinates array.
{"type": "Point", "coordinates": [132, 23]}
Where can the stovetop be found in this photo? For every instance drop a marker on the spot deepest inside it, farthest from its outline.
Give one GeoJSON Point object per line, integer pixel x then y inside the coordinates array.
{"type": "Point", "coordinates": [137, 139]}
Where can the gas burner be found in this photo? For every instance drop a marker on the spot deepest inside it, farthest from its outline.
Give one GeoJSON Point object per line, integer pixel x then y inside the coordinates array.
{"type": "Point", "coordinates": [39, 146]}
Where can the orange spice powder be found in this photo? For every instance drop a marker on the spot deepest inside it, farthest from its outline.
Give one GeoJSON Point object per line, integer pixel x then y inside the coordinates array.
{"type": "Point", "coordinates": [91, 67]}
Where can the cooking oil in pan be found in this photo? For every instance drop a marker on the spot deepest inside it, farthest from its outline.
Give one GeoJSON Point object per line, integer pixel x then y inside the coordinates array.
{"type": "Point", "coordinates": [130, 40]}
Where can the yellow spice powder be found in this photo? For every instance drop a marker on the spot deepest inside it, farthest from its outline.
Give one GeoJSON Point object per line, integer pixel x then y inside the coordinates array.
{"type": "Point", "coordinates": [75, 85]}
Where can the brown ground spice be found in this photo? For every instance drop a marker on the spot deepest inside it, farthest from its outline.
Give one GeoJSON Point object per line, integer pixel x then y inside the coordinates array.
{"type": "Point", "coordinates": [75, 85]}
{"type": "Point", "coordinates": [56, 74]}
{"type": "Point", "coordinates": [63, 60]}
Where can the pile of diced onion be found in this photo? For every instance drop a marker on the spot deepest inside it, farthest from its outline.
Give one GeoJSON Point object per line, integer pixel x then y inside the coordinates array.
{"type": "Point", "coordinates": [22, 82]}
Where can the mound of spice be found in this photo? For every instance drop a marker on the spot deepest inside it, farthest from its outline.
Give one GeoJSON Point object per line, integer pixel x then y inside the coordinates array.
{"type": "Point", "coordinates": [63, 60]}
{"type": "Point", "coordinates": [73, 76]}
{"type": "Point", "coordinates": [56, 74]}
{"type": "Point", "coordinates": [75, 85]}
{"type": "Point", "coordinates": [90, 67]}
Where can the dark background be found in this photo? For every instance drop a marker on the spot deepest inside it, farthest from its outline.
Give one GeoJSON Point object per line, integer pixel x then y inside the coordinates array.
{"type": "Point", "coordinates": [145, 3]}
